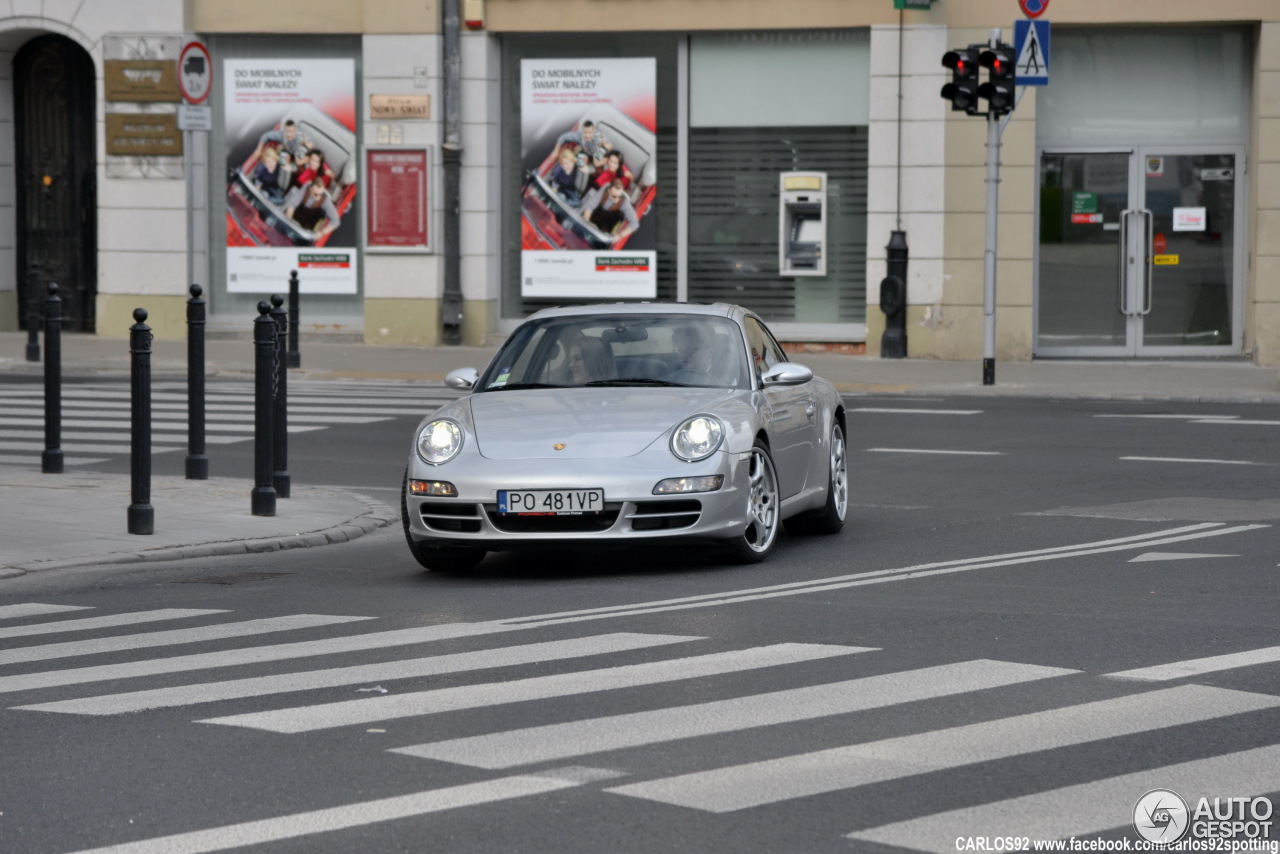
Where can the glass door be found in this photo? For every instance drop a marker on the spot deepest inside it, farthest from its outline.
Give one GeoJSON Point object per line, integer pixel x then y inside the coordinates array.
{"type": "Point", "coordinates": [1138, 253]}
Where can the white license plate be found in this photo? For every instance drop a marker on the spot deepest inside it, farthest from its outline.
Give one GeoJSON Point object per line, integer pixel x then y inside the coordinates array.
{"type": "Point", "coordinates": [550, 502]}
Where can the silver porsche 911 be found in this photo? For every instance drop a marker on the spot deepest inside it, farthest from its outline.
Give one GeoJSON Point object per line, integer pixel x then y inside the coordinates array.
{"type": "Point", "coordinates": [617, 424]}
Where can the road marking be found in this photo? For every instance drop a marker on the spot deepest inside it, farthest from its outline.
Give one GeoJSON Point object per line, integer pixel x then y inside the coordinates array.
{"type": "Point", "coordinates": [34, 459]}
{"type": "Point", "coordinates": [282, 683]}
{"type": "Point", "coordinates": [797, 588]}
{"type": "Point", "coordinates": [1182, 417]}
{"type": "Point", "coordinates": [176, 636]}
{"type": "Point", "coordinates": [890, 410]}
{"type": "Point", "coordinates": [596, 735]}
{"type": "Point", "coordinates": [1153, 556]}
{"type": "Point", "coordinates": [1089, 808]}
{"type": "Point", "coordinates": [1188, 460]}
{"type": "Point", "coordinates": [392, 706]}
{"type": "Point", "coordinates": [34, 609]}
{"type": "Point", "coordinates": [758, 783]}
{"type": "Point", "coordinates": [930, 451]}
{"type": "Point", "coordinates": [90, 623]}
{"type": "Point", "coordinates": [1201, 666]}
{"type": "Point", "coordinates": [248, 655]}
{"type": "Point", "coordinates": [349, 816]}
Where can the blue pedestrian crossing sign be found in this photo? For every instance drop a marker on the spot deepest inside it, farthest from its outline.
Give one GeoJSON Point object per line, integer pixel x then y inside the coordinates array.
{"type": "Point", "coordinates": [1031, 46]}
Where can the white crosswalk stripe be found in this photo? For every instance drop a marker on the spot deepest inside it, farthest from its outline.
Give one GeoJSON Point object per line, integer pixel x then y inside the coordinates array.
{"type": "Point", "coordinates": [792, 728]}
{"type": "Point", "coordinates": [118, 643]}
{"type": "Point", "coordinates": [1087, 808]}
{"type": "Point", "coordinates": [95, 416]}
{"type": "Point", "coordinates": [579, 738]}
{"type": "Point", "coordinates": [34, 609]}
{"type": "Point", "coordinates": [260, 686]}
{"type": "Point", "coordinates": [759, 783]}
{"type": "Point", "coordinates": [390, 707]}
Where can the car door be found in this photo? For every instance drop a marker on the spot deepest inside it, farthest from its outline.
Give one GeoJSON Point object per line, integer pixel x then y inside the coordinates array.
{"type": "Point", "coordinates": [790, 413]}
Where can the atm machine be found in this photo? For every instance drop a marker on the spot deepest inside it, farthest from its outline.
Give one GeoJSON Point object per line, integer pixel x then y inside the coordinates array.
{"type": "Point", "coordinates": [802, 223]}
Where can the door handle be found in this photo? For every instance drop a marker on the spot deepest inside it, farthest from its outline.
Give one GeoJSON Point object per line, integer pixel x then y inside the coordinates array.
{"type": "Point", "coordinates": [1150, 268]}
{"type": "Point", "coordinates": [809, 410]}
{"type": "Point", "coordinates": [1124, 259]}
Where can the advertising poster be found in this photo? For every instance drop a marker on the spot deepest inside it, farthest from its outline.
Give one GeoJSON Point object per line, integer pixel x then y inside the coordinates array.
{"type": "Point", "coordinates": [588, 136]}
{"type": "Point", "coordinates": [292, 167]}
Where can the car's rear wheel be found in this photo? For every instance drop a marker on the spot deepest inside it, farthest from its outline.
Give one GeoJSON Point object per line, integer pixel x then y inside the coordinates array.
{"type": "Point", "coordinates": [442, 558]}
{"type": "Point", "coordinates": [829, 518]}
{"type": "Point", "coordinates": [763, 505]}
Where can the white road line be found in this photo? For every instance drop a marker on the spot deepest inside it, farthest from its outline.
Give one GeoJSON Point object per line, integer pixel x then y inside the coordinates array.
{"type": "Point", "coordinates": [758, 783]}
{"type": "Point", "coordinates": [282, 683]}
{"type": "Point", "coordinates": [1200, 666]}
{"type": "Point", "coordinates": [344, 817]}
{"type": "Point", "coordinates": [248, 655]}
{"type": "Point", "coordinates": [1088, 808]}
{"type": "Point", "coordinates": [1163, 556]}
{"type": "Point", "coordinates": [1187, 460]}
{"type": "Point", "coordinates": [35, 609]}
{"type": "Point", "coordinates": [596, 735]}
{"type": "Point", "coordinates": [34, 459]}
{"type": "Point", "coordinates": [393, 706]}
{"type": "Point", "coordinates": [889, 410]}
{"type": "Point", "coordinates": [795, 588]}
{"type": "Point", "coordinates": [1175, 417]}
{"type": "Point", "coordinates": [932, 451]}
{"type": "Point", "coordinates": [105, 622]}
{"type": "Point", "coordinates": [120, 643]}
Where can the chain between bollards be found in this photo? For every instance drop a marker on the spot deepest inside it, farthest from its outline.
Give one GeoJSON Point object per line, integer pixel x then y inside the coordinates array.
{"type": "Point", "coordinates": [263, 499]}
{"type": "Point", "coordinates": [197, 459]}
{"type": "Point", "coordinates": [51, 460]}
{"type": "Point", "coordinates": [142, 516]}
{"type": "Point", "coordinates": [294, 357]}
{"type": "Point", "coordinates": [33, 315]}
{"type": "Point", "coordinates": [280, 415]}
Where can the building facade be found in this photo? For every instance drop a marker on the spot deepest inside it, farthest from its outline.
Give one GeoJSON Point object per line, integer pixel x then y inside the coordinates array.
{"type": "Point", "coordinates": [768, 153]}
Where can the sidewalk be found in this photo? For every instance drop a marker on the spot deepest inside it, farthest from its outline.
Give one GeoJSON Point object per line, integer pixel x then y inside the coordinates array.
{"type": "Point", "coordinates": [53, 521]}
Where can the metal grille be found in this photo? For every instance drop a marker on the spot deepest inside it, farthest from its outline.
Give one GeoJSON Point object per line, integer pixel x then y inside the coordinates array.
{"type": "Point", "coordinates": [733, 220]}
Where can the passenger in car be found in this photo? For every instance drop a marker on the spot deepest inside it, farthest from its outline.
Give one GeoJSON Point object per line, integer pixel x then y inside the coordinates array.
{"type": "Point", "coordinates": [589, 360]}
{"type": "Point", "coordinates": [613, 168]}
{"type": "Point", "coordinates": [267, 175]}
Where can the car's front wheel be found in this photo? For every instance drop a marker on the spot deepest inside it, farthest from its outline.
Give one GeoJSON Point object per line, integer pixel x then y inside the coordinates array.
{"type": "Point", "coordinates": [829, 518]}
{"type": "Point", "coordinates": [763, 505]}
{"type": "Point", "coordinates": [442, 558]}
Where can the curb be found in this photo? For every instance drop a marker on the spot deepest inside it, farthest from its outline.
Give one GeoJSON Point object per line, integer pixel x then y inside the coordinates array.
{"type": "Point", "coordinates": [376, 515]}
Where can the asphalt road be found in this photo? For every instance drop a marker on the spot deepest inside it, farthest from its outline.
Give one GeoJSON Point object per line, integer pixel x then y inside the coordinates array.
{"type": "Point", "coordinates": [981, 653]}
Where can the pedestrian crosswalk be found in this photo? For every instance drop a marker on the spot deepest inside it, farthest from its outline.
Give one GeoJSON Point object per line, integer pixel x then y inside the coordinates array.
{"type": "Point", "coordinates": [799, 739]}
{"type": "Point", "coordinates": [95, 416]}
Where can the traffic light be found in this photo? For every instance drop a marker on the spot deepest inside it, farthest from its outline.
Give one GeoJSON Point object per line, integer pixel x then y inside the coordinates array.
{"type": "Point", "coordinates": [1002, 77]}
{"type": "Point", "coordinates": [962, 91]}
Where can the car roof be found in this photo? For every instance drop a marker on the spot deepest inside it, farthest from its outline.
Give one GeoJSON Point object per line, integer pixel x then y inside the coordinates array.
{"type": "Point", "coordinates": [709, 310]}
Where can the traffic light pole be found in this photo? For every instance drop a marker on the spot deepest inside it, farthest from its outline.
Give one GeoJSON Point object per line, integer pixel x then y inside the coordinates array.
{"type": "Point", "coordinates": [989, 253]}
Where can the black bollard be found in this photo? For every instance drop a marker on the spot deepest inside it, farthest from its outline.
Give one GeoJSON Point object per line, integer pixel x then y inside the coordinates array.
{"type": "Point", "coordinates": [893, 299]}
{"type": "Point", "coordinates": [263, 501]}
{"type": "Point", "coordinates": [33, 315]}
{"type": "Point", "coordinates": [142, 516]}
{"type": "Point", "coordinates": [295, 358]}
{"type": "Point", "coordinates": [51, 459]}
{"type": "Point", "coordinates": [197, 459]}
{"type": "Point", "coordinates": [280, 415]}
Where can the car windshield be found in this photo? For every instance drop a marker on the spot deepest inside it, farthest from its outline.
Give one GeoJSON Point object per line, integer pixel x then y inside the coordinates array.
{"type": "Point", "coordinates": [621, 350]}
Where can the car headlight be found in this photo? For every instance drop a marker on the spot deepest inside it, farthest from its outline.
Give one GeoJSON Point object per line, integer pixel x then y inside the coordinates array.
{"type": "Point", "coordinates": [439, 441]}
{"type": "Point", "coordinates": [697, 438]}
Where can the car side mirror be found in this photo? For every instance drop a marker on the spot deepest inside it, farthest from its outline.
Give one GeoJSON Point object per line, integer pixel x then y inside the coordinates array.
{"type": "Point", "coordinates": [463, 379]}
{"type": "Point", "coordinates": [786, 373]}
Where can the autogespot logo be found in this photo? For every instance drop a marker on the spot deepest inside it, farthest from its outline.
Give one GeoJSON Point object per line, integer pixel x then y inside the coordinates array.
{"type": "Point", "coordinates": [1161, 816]}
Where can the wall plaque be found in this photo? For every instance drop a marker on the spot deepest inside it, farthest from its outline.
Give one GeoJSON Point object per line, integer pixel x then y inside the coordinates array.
{"type": "Point", "coordinates": [399, 106]}
{"type": "Point", "coordinates": [141, 80]}
{"type": "Point", "coordinates": [143, 133]}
